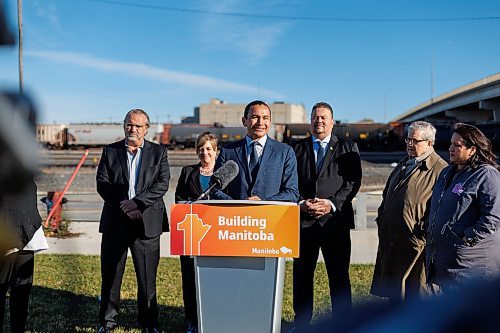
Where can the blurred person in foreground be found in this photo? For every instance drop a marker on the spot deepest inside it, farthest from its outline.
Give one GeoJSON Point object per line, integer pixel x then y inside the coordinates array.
{"type": "Point", "coordinates": [193, 181]}
{"type": "Point", "coordinates": [21, 229]}
{"type": "Point", "coordinates": [399, 270]}
{"type": "Point", "coordinates": [329, 171]}
{"type": "Point", "coordinates": [471, 308]}
{"type": "Point", "coordinates": [267, 168]}
{"type": "Point", "coordinates": [132, 178]}
{"type": "Point", "coordinates": [21, 232]}
{"type": "Point", "coordinates": [463, 237]}
{"type": "Point", "coordinates": [20, 213]}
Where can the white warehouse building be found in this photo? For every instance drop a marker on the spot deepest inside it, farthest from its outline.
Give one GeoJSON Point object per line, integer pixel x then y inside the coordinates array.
{"type": "Point", "coordinates": [217, 111]}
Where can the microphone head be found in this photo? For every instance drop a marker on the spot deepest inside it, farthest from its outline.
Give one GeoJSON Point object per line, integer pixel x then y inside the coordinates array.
{"type": "Point", "coordinates": [226, 173]}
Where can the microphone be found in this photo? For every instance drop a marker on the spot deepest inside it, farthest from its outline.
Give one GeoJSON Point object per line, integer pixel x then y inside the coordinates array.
{"type": "Point", "coordinates": [222, 177]}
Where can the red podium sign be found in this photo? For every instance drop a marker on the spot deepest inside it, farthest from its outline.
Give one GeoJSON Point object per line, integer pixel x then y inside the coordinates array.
{"type": "Point", "coordinates": [235, 228]}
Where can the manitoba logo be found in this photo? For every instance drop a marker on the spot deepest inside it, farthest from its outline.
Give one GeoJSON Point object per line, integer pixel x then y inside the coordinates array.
{"type": "Point", "coordinates": [194, 231]}
{"type": "Point", "coordinates": [234, 229]}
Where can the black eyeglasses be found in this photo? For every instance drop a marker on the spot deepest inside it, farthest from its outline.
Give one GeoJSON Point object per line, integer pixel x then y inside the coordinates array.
{"type": "Point", "coordinates": [414, 141]}
{"type": "Point", "coordinates": [134, 125]}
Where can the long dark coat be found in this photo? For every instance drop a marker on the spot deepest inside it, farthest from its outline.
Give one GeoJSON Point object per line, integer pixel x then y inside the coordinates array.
{"type": "Point", "coordinates": [399, 269]}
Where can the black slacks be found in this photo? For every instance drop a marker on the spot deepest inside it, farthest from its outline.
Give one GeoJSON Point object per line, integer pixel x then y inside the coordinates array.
{"type": "Point", "coordinates": [146, 256]}
{"type": "Point", "coordinates": [16, 273]}
{"type": "Point", "coordinates": [335, 244]}
{"type": "Point", "coordinates": [189, 289]}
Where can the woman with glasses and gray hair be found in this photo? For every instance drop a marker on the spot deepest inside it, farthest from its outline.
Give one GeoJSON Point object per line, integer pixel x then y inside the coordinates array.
{"type": "Point", "coordinates": [463, 240]}
{"type": "Point", "coordinates": [399, 270]}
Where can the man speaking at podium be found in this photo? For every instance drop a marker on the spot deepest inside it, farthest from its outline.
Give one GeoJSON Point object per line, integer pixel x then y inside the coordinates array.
{"type": "Point", "coordinates": [267, 168]}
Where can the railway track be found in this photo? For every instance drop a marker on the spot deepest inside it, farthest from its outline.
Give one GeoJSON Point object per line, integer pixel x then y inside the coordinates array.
{"type": "Point", "coordinates": [68, 158]}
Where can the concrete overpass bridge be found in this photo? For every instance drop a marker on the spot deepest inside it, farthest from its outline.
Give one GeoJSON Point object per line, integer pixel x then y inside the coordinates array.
{"type": "Point", "coordinates": [475, 102]}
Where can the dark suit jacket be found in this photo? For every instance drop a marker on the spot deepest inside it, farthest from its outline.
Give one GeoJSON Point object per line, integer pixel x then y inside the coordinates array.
{"type": "Point", "coordinates": [276, 179]}
{"type": "Point", "coordinates": [20, 212]}
{"type": "Point", "coordinates": [189, 185]}
{"type": "Point", "coordinates": [152, 184]}
{"type": "Point", "coordinates": [339, 179]}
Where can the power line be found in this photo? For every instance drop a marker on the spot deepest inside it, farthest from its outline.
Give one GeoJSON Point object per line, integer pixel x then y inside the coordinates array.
{"type": "Point", "coordinates": [299, 18]}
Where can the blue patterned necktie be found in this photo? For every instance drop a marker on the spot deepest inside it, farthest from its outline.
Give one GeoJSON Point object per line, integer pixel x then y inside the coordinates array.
{"type": "Point", "coordinates": [320, 156]}
{"type": "Point", "coordinates": [253, 164]}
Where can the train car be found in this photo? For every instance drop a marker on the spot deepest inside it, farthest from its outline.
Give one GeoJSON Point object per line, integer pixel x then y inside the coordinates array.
{"type": "Point", "coordinates": [369, 137]}
{"type": "Point", "coordinates": [50, 135]}
{"type": "Point", "coordinates": [86, 135]}
{"type": "Point", "coordinates": [445, 131]}
{"type": "Point", "coordinates": [98, 135]}
{"type": "Point", "coordinates": [230, 134]}
{"type": "Point", "coordinates": [184, 135]}
{"type": "Point", "coordinates": [295, 132]}
{"type": "Point", "coordinates": [492, 132]}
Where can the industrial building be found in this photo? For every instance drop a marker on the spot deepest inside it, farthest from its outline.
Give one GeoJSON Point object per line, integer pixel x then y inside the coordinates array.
{"type": "Point", "coordinates": [229, 114]}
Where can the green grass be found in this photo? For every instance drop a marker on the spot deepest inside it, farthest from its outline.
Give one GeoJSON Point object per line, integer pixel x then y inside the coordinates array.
{"type": "Point", "coordinates": [66, 289]}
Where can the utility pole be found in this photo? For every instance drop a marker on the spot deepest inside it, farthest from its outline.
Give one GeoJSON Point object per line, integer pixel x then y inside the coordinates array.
{"type": "Point", "coordinates": [20, 54]}
{"type": "Point", "coordinates": [433, 65]}
{"type": "Point", "coordinates": [385, 104]}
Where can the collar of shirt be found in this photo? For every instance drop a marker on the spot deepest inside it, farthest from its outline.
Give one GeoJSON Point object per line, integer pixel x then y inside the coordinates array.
{"type": "Point", "coordinates": [133, 164]}
{"type": "Point", "coordinates": [424, 155]}
{"type": "Point", "coordinates": [322, 142]}
{"type": "Point", "coordinates": [259, 148]}
{"type": "Point", "coordinates": [262, 141]}
{"type": "Point", "coordinates": [415, 160]}
{"type": "Point", "coordinates": [128, 150]}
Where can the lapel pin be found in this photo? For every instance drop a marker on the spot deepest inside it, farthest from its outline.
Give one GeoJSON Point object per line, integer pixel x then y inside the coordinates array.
{"type": "Point", "coordinates": [331, 148]}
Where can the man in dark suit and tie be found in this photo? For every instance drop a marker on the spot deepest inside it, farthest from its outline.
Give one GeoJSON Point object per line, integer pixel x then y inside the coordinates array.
{"type": "Point", "coordinates": [267, 168]}
{"type": "Point", "coordinates": [132, 178]}
{"type": "Point", "coordinates": [329, 171]}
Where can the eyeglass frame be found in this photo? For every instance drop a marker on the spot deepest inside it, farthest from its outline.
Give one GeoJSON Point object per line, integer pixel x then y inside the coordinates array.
{"type": "Point", "coordinates": [414, 141]}
{"type": "Point", "coordinates": [128, 125]}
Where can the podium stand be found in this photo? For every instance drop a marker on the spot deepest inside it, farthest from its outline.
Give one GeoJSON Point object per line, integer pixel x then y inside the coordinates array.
{"type": "Point", "coordinates": [239, 294]}
{"type": "Point", "coordinates": [240, 290]}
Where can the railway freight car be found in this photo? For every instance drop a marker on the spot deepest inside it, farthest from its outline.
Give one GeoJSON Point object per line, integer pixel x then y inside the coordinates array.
{"type": "Point", "coordinates": [369, 137]}
{"type": "Point", "coordinates": [445, 131]}
{"type": "Point", "coordinates": [183, 136]}
{"type": "Point", "coordinates": [50, 135]}
{"type": "Point", "coordinates": [85, 135]}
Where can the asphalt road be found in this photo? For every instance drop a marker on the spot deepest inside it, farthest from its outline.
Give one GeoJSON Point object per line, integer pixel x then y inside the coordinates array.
{"type": "Point", "coordinates": [83, 210]}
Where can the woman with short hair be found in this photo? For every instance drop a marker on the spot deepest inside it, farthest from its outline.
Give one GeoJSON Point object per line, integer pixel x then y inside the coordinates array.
{"type": "Point", "coordinates": [193, 181]}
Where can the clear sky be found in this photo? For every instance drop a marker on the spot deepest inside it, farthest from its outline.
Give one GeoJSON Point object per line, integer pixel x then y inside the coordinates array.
{"type": "Point", "coordinates": [93, 60]}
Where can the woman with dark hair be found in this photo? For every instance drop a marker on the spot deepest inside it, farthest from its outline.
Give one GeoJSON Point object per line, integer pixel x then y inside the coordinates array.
{"type": "Point", "coordinates": [193, 181]}
{"type": "Point", "coordinates": [463, 240]}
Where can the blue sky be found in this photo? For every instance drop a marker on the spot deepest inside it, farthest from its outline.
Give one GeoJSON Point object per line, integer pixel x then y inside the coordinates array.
{"type": "Point", "coordinates": [93, 60]}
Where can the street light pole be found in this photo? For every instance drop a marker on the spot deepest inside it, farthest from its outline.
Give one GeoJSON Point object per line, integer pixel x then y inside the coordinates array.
{"type": "Point", "coordinates": [433, 68]}
{"type": "Point", "coordinates": [20, 54]}
{"type": "Point", "coordinates": [385, 104]}
{"type": "Point", "coordinates": [433, 65]}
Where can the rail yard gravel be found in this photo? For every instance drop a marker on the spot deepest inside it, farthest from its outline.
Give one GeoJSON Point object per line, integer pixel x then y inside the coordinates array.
{"type": "Point", "coordinates": [55, 178]}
